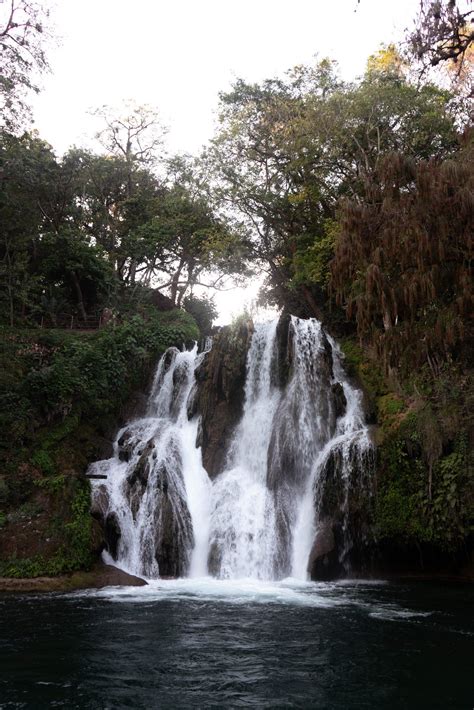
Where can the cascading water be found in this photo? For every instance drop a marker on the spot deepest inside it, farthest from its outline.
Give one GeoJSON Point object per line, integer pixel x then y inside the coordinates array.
{"type": "Point", "coordinates": [350, 449]}
{"type": "Point", "coordinates": [157, 493]}
{"type": "Point", "coordinates": [261, 516]}
{"type": "Point", "coordinates": [242, 542]}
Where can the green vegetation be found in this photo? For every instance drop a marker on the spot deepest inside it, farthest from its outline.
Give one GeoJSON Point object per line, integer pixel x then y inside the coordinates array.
{"type": "Point", "coordinates": [61, 395]}
{"type": "Point", "coordinates": [425, 476]}
{"type": "Point", "coordinates": [418, 502]}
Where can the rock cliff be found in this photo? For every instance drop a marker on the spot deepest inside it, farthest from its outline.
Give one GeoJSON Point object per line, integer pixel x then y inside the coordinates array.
{"type": "Point", "coordinates": [220, 393]}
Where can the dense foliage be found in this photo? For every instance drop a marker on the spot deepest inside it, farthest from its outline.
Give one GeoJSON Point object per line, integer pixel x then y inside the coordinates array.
{"type": "Point", "coordinates": [79, 234]}
{"type": "Point", "coordinates": [62, 396]}
{"type": "Point", "coordinates": [289, 151]}
{"type": "Point", "coordinates": [403, 260]}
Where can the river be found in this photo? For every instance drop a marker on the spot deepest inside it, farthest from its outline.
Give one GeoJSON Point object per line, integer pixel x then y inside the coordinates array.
{"type": "Point", "coordinates": [207, 643]}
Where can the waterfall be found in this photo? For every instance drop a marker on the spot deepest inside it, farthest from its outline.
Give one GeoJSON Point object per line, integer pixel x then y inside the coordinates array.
{"type": "Point", "coordinates": [242, 542]}
{"type": "Point", "coordinates": [350, 448]}
{"type": "Point", "coordinates": [157, 493]}
{"type": "Point", "coordinates": [301, 439]}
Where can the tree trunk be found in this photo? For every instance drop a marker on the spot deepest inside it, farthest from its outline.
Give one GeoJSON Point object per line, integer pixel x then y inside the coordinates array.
{"type": "Point", "coordinates": [175, 283]}
{"type": "Point", "coordinates": [132, 272]}
{"type": "Point", "coordinates": [80, 299]}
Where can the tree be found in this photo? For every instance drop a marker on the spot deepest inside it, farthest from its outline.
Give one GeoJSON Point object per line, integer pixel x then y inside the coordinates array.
{"type": "Point", "coordinates": [443, 32]}
{"type": "Point", "coordinates": [26, 165]}
{"type": "Point", "coordinates": [22, 37]}
{"type": "Point", "coordinates": [133, 134]}
{"type": "Point", "coordinates": [403, 260]}
{"type": "Point", "coordinates": [203, 310]}
{"type": "Point", "coordinates": [72, 272]}
{"type": "Point", "coordinates": [289, 150]}
{"type": "Point", "coordinates": [184, 245]}
{"type": "Point", "coordinates": [51, 254]}
{"type": "Point", "coordinates": [113, 202]}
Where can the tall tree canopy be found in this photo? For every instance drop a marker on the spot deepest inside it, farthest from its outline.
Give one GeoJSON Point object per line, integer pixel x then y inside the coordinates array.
{"type": "Point", "coordinates": [289, 150]}
{"type": "Point", "coordinates": [23, 30]}
{"type": "Point", "coordinates": [82, 231]}
{"type": "Point", "coordinates": [403, 260]}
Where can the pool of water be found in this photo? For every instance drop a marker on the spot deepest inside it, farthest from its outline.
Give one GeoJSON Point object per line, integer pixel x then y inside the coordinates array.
{"type": "Point", "coordinates": [211, 644]}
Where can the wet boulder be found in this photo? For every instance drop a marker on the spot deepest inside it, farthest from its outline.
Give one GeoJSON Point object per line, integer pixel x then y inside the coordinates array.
{"type": "Point", "coordinates": [100, 503]}
{"type": "Point", "coordinates": [112, 534]}
{"type": "Point", "coordinates": [174, 538]}
{"type": "Point", "coordinates": [137, 478]}
{"type": "Point", "coordinates": [339, 400]}
{"type": "Point", "coordinates": [220, 395]}
{"type": "Point", "coordinates": [324, 563]}
{"type": "Point", "coordinates": [180, 375]}
{"type": "Point", "coordinates": [192, 403]}
{"type": "Point", "coordinates": [126, 445]}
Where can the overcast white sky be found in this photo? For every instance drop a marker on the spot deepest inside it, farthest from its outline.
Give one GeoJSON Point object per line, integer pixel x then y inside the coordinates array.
{"type": "Point", "coordinates": [178, 54]}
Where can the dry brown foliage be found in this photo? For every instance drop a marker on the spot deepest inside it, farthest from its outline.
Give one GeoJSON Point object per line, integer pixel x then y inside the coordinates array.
{"type": "Point", "coordinates": [403, 262]}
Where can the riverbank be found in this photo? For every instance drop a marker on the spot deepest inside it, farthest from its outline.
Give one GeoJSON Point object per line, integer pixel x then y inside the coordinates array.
{"type": "Point", "coordinates": [97, 578]}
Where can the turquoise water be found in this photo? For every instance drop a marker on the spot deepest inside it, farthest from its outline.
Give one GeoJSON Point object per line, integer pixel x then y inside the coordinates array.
{"type": "Point", "coordinates": [210, 644]}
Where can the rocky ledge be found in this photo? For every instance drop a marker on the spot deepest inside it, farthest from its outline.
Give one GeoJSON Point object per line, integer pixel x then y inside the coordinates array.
{"type": "Point", "coordinates": [99, 577]}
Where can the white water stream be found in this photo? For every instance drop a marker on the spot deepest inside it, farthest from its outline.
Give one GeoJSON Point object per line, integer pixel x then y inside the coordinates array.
{"type": "Point", "coordinates": [259, 517]}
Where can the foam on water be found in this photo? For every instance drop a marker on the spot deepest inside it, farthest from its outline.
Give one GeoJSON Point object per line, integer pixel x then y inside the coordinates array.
{"type": "Point", "coordinates": [289, 592]}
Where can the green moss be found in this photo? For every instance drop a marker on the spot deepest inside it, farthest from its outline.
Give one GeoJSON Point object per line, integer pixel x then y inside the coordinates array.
{"type": "Point", "coordinates": [389, 405]}
{"type": "Point", "coordinates": [51, 436]}
{"type": "Point", "coordinates": [42, 460]}
{"type": "Point", "coordinates": [75, 550]}
{"type": "Point", "coordinates": [414, 506]}
{"type": "Point", "coordinates": [53, 484]}
{"type": "Point", "coordinates": [424, 492]}
{"type": "Point", "coordinates": [367, 372]}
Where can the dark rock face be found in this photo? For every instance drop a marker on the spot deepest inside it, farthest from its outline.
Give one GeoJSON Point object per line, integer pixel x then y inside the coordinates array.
{"type": "Point", "coordinates": [171, 535]}
{"type": "Point", "coordinates": [192, 403]}
{"type": "Point", "coordinates": [284, 347]}
{"type": "Point", "coordinates": [344, 538]}
{"type": "Point", "coordinates": [100, 504]}
{"type": "Point", "coordinates": [125, 446]}
{"type": "Point", "coordinates": [174, 537]}
{"type": "Point", "coordinates": [323, 563]}
{"type": "Point", "coordinates": [214, 559]}
{"type": "Point", "coordinates": [112, 533]}
{"type": "Point", "coordinates": [220, 396]}
{"type": "Point", "coordinates": [339, 400]}
{"type": "Point", "coordinates": [179, 378]}
{"type": "Point", "coordinates": [291, 449]}
{"type": "Point", "coordinates": [138, 478]}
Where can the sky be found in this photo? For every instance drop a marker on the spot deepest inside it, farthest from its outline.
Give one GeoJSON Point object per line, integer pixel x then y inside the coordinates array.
{"type": "Point", "coordinates": [177, 55]}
